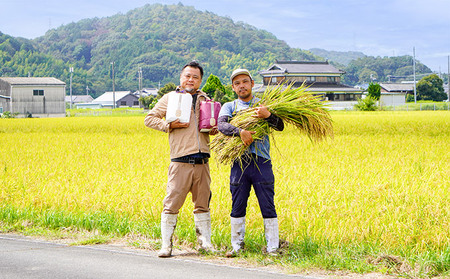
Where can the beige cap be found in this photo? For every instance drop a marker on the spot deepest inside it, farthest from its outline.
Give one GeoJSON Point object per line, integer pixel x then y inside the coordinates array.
{"type": "Point", "coordinates": [240, 72]}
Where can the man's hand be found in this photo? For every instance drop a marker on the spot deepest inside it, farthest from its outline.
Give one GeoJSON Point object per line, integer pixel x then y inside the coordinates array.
{"type": "Point", "coordinates": [262, 112]}
{"type": "Point", "coordinates": [177, 124]}
{"type": "Point", "coordinates": [246, 137]}
{"type": "Point", "coordinates": [213, 131]}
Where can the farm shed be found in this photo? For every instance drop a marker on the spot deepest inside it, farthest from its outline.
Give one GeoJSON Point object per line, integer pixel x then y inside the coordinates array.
{"type": "Point", "coordinates": [35, 96]}
{"type": "Point", "coordinates": [394, 94]}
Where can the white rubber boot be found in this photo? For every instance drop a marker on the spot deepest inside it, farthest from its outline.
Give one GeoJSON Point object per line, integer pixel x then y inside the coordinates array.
{"type": "Point", "coordinates": [168, 224]}
{"type": "Point", "coordinates": [203, 230]}
{"type": "Point", "coordinates": [272, 236]}
{"type": "Point", "coordinates": [237, 233]}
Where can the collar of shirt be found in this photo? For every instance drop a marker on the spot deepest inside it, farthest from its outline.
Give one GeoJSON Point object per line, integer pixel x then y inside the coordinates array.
{"type": "Point", "coordinates": [183, 91]}
{"type": "Point", "coordinates": [249, 103]}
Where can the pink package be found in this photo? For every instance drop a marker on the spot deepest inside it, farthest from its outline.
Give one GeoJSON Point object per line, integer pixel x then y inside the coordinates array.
{"type": "Point", "coordinates": [209, 113]}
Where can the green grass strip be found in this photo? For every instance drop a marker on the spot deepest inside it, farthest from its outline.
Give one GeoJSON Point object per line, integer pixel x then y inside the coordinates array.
{"type": "Point", "coordinates": [303, 253]}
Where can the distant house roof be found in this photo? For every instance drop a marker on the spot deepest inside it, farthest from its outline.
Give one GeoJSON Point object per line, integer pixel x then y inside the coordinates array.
{"type": "Point", "coordinates": [150, 91]}
{"type": "Point", "coordinates": [301, 68]}
{"type": "Point", "coordinates": [109, 97]}
{"type": "Point", "coordinates": [146, 92]}
{"type": "Point", "coordinates": [79, 99]}
{"type": "Point", "coordinates": [397, 87]}
{"type": "Point", "coordinates": [32, 81]}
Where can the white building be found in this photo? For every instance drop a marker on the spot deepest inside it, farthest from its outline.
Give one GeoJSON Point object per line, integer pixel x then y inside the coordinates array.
{"type": "Point", "coordinates": [76, 99]}
{"type": "Point", "coordinates": [121, 98]}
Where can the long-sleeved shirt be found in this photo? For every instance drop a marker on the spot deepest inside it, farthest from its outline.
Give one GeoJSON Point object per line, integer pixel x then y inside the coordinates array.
{"type": "Point", "coordinates": [258, 147]}
{"type": "Point", "coordinates": [183, 141]}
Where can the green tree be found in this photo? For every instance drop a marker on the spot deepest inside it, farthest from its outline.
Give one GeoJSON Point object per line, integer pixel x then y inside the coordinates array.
{"type": "Point", "coordinates": [215, 89]}
{"type": "Point", "coordinates": [146, 101]}
{"type": "Point", "coordinates": [367, 75]}
{"type": "Point", "coordinates": [169, 87]}
{"type": "Point", "coordinates": [366, 104]}
{"type": "Point", "coordinates": [223, 97]}
{"type": "Point", "coordinates": [229, 95]}
{"type": "Point", "coordinates": [212, 85]}
{"type": "Point", "coordinates": [374, 91]}
{"type": "Point", "coordinates": [430, 88]}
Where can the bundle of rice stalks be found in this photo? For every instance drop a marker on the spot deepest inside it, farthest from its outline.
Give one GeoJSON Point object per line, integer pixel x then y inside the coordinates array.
{"type": "Point", "coordinates": [297, 107]}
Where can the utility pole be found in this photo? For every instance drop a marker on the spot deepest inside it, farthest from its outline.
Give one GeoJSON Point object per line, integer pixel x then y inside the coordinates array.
{"type": "Point", "coordinates": [414, 73]}
{"type": "Point", "coordinates": [113, 86]}
{"type": "Point", "coordinates": [71, 73]}
{"type": "Point", "coordinates": [140, 81]}
{"type": "Point", "coordinates": [140, 78]}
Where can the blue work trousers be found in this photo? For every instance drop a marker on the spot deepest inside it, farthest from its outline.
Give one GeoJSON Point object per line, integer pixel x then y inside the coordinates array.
{"type": "Point", "coordinates": [256, 171]}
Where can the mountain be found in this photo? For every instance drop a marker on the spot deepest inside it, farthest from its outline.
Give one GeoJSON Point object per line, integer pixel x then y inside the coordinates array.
{"type": "Point", "coordinates": [382, 69]}
{"type": "Point", "coordinates": [21, 57]}
{"type": "Point", "coordinates": [361, 68]}
{"type": "Point", "coordinates": [159, 40]}
{"type": "Point", "coordinates": [341, 57]}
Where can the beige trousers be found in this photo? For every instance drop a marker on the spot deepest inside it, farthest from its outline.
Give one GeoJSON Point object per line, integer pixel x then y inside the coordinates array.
{"type": "Point", "coordinates": [184, 178]}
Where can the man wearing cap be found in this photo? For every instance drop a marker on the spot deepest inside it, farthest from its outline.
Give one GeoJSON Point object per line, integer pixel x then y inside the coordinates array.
{"type": "Point", "coordinates": [189, 169]}
{"type": "Point", "coordinates": [256, 166]}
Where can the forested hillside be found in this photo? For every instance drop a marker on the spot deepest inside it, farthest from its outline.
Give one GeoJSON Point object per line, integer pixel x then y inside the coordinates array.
{"type": "Point", "coordinates": [381, 69]}
{"type": "Point", "coordinates": [20, 57]}
{"type": "Point", "coordinates": [160, 39]}
{"type": "Point", "coordinates": [361, 69]}
{"type": "Point", "coordinates": [341, 57]}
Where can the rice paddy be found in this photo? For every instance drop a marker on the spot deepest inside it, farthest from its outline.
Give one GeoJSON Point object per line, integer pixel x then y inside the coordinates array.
{"type": "Point", "coordinates": [381, 186]}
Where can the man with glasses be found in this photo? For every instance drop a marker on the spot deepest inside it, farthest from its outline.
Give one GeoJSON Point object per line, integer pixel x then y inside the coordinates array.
{"type": "Point", "coordinates": [189, 169]}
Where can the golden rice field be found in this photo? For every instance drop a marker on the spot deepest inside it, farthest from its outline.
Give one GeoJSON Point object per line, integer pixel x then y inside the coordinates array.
{"type": "Point", "coordinates": [383, 180]}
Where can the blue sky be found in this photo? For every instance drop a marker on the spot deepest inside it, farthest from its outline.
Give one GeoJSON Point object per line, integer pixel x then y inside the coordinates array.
{"type": "Point", "coordinates": [377, 28]}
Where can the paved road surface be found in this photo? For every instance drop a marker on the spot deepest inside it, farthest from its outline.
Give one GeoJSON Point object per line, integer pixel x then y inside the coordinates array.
{"type": "Point", "coordinates": [24, 258]}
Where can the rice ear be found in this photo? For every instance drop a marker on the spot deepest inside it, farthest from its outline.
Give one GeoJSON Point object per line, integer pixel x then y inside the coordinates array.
{"type": "Point", "coordinates": [295, 106]}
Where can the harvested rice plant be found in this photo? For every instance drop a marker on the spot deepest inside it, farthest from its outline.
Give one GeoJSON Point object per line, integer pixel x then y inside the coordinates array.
{"type": "Point", "coordinates": [297, 107]}
{"type": "Point", "coordinates": [379, 187]}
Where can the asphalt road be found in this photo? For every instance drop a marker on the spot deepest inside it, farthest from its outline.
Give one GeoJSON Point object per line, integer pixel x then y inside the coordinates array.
{"type": "Point", "coordinates": [22, 257]}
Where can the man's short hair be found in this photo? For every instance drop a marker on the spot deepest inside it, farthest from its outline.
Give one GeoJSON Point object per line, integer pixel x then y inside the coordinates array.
{"type": "Point", "coordinates": [194, 64]}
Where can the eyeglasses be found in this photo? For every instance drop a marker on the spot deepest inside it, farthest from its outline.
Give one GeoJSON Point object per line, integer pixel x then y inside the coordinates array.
{"type": "Point", "coordinates": [189, 76]}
